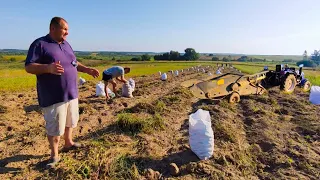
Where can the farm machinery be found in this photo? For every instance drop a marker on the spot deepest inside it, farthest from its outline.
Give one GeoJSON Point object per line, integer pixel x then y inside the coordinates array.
{"type": "Point", "coordinates": [287, 78]}
{"type": "Point", "coordinates": [234, 84]}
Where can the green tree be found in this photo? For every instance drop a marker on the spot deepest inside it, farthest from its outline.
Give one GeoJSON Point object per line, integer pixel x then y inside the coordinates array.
{"type": "Point", "coordinates": [145, 57]}
{"type": "Point", "coordinates": [315, 57]}
{"type": "Point", "coordinates": [136, 59]}
{"type": "Point", "coordinates": [191, 54]}
{"type": "Point", "coordinates": [307, 63]}
{"type": "Point", "coordinates": [225, 59]}
{"type": "Point", "coordinates": [174, 55]}
{"type": "Point", "coordinates": [305, 55]}
{"type": "Point", "coordinates": [215, 59]}
{"type": "Point", "coordinates": [243, 59]}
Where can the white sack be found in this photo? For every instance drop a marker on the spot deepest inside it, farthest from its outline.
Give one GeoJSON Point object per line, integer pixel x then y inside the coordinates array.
{"type": "Point", "coordinates": [127, 90]}
{"type": "Point", "coordinates": [314, 97]}
{"type": "Point", "coordinates": [201, 137]}
{"type": "Point", "coordinates": [81, 81]}
{"type": "Point", "coordinates": [164, 77]}
{"type": "Point", "coordinates": [100, 89]}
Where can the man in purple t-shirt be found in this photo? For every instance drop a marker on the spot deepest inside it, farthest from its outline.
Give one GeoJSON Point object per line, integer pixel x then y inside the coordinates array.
{"type": "Point", "coordinates": [53, 61]}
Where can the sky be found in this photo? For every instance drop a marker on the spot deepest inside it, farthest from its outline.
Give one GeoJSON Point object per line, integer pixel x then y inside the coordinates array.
{"type": "Point", "coordinates": [266, 27]}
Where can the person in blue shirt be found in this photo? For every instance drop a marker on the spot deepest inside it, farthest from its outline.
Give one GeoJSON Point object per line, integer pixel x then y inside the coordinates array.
{"type": "Point", "coordinates": [109, 76]}
{"type": "Point", "coordinates": [52, 59]}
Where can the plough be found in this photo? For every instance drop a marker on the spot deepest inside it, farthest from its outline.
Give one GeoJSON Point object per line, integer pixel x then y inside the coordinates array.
{"type": "Point", "coordinates": [235, 84]}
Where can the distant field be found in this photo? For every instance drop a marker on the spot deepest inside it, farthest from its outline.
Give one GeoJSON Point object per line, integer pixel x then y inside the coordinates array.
{"type": "Point", "coordinates": [16, 79]}
{"type": "Point", "coordinates": [14, 57]}
{"type": "Point", "coordinates": [277, 57]}
{"type": "Point", "coordinates": [268, 58]}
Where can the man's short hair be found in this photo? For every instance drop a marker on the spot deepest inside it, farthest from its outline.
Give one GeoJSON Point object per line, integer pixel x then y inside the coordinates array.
{"type": "Point", "coordinates": [55, 21]}
{"type": "Point", "coordinates": [127, 69]}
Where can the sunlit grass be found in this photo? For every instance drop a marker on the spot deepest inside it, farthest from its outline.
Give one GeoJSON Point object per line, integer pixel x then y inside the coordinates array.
{"type": "Point", "coordinates": [17, 79]}
{"type": "Point", "coordinates": [13, 77]}
{"type": "Point", "coordinates": [249, 69]}
{"type": "Point", "coordinates": [15, 57]}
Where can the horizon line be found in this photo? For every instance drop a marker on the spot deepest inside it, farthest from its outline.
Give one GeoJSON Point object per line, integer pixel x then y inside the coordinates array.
{"type": "Point", "coordinates": [171, 50]}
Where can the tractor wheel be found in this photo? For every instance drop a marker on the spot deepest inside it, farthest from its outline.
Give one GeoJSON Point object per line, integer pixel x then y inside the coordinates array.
{"type": "Point", "coordinates": [289, 84]}
{"type": "Point", "coordinates": [307, 86]}
{"type": "Point", "coordinates": [234, 98]}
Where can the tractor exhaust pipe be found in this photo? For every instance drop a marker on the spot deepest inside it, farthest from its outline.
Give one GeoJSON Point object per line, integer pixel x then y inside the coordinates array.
{"type": "Point", "coordinates": [300, 70]}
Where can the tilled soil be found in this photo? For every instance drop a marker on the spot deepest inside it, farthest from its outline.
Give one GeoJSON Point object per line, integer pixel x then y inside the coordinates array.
{"type": "Point", "coordinates": [271, 136]}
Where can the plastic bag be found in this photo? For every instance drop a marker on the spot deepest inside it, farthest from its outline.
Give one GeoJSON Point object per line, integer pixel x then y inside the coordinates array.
{"type": "Point", "coordinates": [127, 90]}
{"type": "Point", "coordinates": [81, 81]}
{"type": "Point", "coordinates": [176, 72]}
{"type": "Point", "coordinates": [201, 136]}
{"type": "Point", "coordinates": [110, 93]}
{"type": "Point", "coordinates": [314, 97]}
{"type": "Point", "coordinates": [132, 84]}
{"type": "Point", "coordinates": [100, 89]}
{"type": "Point", "coordinates": [164, 77]}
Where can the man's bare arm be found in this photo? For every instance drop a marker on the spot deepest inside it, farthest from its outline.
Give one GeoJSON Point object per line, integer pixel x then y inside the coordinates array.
{"type": "Point", "coordinates": [91, 71]}
{"type": "Point", "coordinates": [123, 79]}
{"type": "Point", "coordinates": [36, 68]}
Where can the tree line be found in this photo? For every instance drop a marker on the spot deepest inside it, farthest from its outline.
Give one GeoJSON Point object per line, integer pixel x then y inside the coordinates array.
{"type": "Point", "coordinates": [241, 59]}
{"type": "Point", "coordinates": [189, 54]}
{"type": "Point", "coordinates": [310, 61]}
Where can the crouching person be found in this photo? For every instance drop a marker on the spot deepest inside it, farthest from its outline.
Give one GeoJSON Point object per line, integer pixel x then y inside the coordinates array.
{"type": "Point", "coordinates": [109, 76]}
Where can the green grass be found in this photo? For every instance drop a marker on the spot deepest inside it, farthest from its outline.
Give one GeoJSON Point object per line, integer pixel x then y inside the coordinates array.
{"type": "Point", "coordinates": [133, 124]}
{"type": "Point", "coordinates": [248, 68]}
{"type": "Point", "coordinates": [313, 76]}
{"type": "Point", "coordinates": [277, 57]}
{"type": "Point", "coordinates": [15, 57]}
{"type": "Point", "coordinates": [101, 160]}
{"type": "Point", "coordinates": [14, 78]}
{"type": "Point", "coordinates": [269, 58]}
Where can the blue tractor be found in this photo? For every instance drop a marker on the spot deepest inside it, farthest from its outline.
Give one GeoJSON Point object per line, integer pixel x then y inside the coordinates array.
{"type": "Point", "coordinates": [288, 78]}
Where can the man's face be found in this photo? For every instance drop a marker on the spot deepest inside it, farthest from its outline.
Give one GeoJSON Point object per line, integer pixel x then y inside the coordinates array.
{"type": "Point", "coordinates": [61, 32]}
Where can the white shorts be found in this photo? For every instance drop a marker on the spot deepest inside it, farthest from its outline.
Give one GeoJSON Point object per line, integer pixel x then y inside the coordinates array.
{"type": "Point", "coordinates": [61, 115]}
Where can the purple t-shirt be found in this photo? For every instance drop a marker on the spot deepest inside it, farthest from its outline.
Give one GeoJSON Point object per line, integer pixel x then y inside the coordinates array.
{"type": "Point", "coordinates": [52, 88]}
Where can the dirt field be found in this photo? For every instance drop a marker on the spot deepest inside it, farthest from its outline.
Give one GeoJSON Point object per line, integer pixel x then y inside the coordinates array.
{"type": "Point", "coordinates": [272, 136]}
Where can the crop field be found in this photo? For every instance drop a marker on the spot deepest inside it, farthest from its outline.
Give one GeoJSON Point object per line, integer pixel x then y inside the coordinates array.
{"type": "Point", "coordinates": [14, 57]}
{"type": "Point", "coordinates": [14, 78]}
{"type": "Point", "coordinates": [269, 136]}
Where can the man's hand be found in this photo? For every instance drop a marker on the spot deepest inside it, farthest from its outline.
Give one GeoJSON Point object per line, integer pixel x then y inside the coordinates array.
{"type": "Point", "coordinates": [93, 72]}
{"type": "Point", "coordinates": [55, 68]}
{"type": "Point", "coordinates": [109, 100]}
{"type": "Point", "coordinates": [122, 79]}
